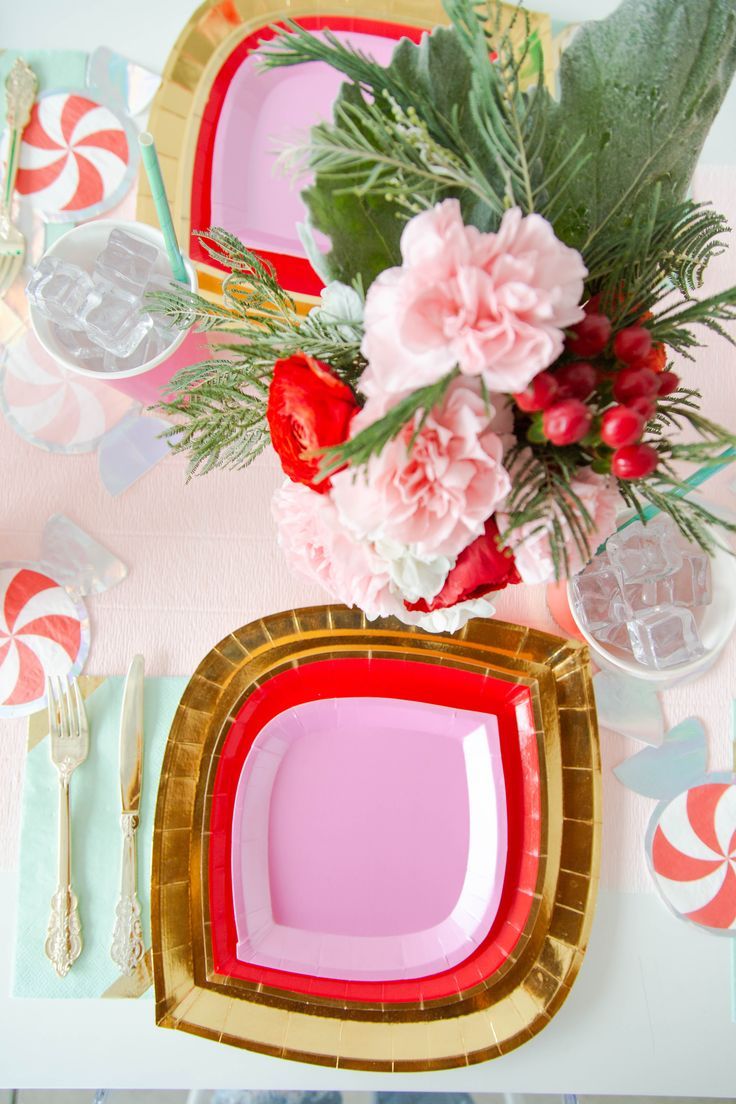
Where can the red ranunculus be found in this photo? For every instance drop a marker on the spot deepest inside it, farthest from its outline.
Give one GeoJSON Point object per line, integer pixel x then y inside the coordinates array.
{"type": "Point", "coordinates": [479, 569]}
{"type": "Point", "coordinates": [309, 408]}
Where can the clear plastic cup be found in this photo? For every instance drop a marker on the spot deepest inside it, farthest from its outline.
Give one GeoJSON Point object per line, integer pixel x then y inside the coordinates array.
{"type": "Point", "coordinates": [148, 381]}
{"type": "Point", "coordinates": [717, 623]}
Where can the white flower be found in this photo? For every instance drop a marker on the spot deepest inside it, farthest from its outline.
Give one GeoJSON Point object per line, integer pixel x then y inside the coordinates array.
{"type": "Point", "coordinates": [342, 307]}
{"type": "Point", "coordinates": [414, 576]}
{"type": "Point", "coordinates": [451, 618]}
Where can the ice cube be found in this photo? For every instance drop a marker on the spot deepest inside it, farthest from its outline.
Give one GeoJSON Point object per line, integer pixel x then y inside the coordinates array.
{"type": "Point", "coordinates": [692, 584]}
{"type": "Point", "coordinates": [152, 345]}
{"type": "Point", "coordinates": [161, 322]}
{"type": "Point", "coordinates": [126, 263]}
{"type": "Point", "coordinates": [115, 322]}
{"type": "Point", "coordinates": [652, 592]}
{"type": "Point", "coordinates": [627, 550]}
{"type": "Point", "coordinates": [599, 561]}
{"type": "Point", "coordinates": [665, 636]}
{"type": "Point", "coordinates": [60, 291]}
{"type": "Point", "coordinates": [665, 554]}
{"type": "Point", "coordinates": [616, 635]}
{"type": "Point", "coordinates": [78, 347]}
{"type": "Point", "coordinates": [598, 597]}
{"type": "Point", "coordinates": [645, 551]}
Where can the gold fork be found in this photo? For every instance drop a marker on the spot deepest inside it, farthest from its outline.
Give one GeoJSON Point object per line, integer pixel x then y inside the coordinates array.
{"type": "Point", "coordinates": [69, 746]}
{"type": "Point", "coordinates": [21, 86]}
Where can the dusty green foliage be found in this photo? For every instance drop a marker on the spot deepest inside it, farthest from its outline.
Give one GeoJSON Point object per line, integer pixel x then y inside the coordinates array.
{"type": "Point", "coordinates": [638, 93]}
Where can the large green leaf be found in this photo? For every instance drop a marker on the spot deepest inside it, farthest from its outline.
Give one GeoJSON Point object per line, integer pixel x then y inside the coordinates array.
{"type": "Point", "coordinates": [365, 230]}
{"type": "Point", "coordinates": [640, 89]}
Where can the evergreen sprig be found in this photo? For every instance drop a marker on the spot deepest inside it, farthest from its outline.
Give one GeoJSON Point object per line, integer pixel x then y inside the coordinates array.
{"type": "Point", "coordinates": [370, 441]}
{"type": "Point", "coordinates": [379, 148]}
{"type": "Point", "coordinates": [692, 517]}
{"type": "Point", "coordinates": [219, 408]}
{"type": "Point", "coordinates": [543, 502]}
{"type": "Point", "coordinates": [388, 139]}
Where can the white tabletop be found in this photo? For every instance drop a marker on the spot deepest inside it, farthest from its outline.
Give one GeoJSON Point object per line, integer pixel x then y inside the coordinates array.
{"type": "Point", "coordinates": [650, 1012]}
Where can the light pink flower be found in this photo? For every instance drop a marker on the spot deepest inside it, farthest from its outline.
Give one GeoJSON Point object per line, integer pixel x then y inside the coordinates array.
{"type": "Point", "coordinates": [531, 545]}
{"type": "Point", "coordinates": [322, 549]}
{"type": "Point", "coordinates": [432, 496]}
{"type": "Point", "coordinates": [494, 304]}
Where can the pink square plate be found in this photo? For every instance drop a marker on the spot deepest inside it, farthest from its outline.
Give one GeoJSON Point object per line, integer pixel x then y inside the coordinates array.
{"type": "Point", "coordinates": [369, 839]}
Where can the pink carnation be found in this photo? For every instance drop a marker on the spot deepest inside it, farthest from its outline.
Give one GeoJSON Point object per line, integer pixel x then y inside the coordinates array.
{"type": "Point", "coordinates": [317, 545]}
{"type": "Point", "coordinates": [320, 548]}
{"type": "Point", "coordinates": [494, 304]}
{"type": "Point", "coordinates": [531, 545]}
{"type": "Point", "coordinates": [432, 496]}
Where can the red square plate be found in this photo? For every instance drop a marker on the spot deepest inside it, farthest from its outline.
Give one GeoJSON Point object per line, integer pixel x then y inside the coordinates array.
{"type": "Point", "coordinates": [458, 955]}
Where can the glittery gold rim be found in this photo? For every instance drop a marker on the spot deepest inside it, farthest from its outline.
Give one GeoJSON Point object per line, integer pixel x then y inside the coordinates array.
{"type": "Point", "coordinates": [215, 29]}
{"type": "Point", "coordinates": [480, 1023]}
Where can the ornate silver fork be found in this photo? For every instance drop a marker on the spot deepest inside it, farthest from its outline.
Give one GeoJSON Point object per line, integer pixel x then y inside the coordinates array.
{"type": "Point", "coordinates": [20, 92]}
{"type": "Point", "coordinates": [69, 747]}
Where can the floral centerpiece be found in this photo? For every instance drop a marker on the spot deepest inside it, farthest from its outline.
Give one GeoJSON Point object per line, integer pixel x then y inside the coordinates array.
{"type": "Point", "coordinates": [487, 378]}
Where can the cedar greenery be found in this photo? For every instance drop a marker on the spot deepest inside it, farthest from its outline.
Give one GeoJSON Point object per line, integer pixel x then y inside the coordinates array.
{"type": "Point", "coordinates": [220, 405]}
{"type": "Point", "coordinates": [608, 163]}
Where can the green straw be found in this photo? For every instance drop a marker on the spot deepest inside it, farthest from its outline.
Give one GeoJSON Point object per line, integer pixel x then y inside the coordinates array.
{"type": "Point", "coordinates": [720, 462]}
{"type": "Point", "coordinates": [158, 191]}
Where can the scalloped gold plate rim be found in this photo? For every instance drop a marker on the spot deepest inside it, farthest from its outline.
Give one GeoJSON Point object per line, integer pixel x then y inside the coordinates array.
{"type": "Point", "coordinates": [471, 1026]}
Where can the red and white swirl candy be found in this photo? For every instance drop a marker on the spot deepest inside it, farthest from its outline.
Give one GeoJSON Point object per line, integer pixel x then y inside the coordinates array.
{"type": "Point", "coordinates": [50, 406]}
{"type": "Point", "coordinates": [692, 853]}
{"type": "Point", "coordinates": [43, 631]}
{"type": "Point", "coordinates": [77, 158]}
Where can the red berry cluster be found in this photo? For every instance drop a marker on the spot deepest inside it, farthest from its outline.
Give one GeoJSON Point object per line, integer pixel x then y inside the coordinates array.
{"type": "Point", "coordinates": [559, 399]}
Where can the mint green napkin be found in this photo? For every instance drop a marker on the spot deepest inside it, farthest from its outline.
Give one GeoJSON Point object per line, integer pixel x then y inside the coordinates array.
{"type": "Point", "coordinates": [53, 68]}
{"type": "Point", "coordinates": [96, 842]}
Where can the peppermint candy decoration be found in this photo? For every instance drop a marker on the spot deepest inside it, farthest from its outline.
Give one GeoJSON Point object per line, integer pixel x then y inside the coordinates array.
{"type": "Point", "coordinates": [43, 632]}
{"type": "Point", "coordinates": [77, 159]}
{"type": "Point", "coordinates": [52, 408]}
{"type": "Point", "coordinates": [692, 854]}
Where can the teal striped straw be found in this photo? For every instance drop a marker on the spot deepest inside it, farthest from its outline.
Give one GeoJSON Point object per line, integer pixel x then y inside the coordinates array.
{"type": "Point", "coordinates": [706, 472]}
{"type": "Point", "coordinates": [158, 192]}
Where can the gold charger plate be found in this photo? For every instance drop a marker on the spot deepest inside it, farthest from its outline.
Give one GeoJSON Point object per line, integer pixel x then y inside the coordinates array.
{"type": "Point", "coordinates": [493, 1017]}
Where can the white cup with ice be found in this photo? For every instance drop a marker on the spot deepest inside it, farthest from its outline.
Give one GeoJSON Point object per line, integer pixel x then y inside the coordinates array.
{"type": "Point", "coordinates": [653, 606]}
{"type": "Point", "coordinates": [86, 301]}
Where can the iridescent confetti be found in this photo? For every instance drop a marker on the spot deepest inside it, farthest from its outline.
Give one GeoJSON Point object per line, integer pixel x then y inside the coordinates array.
{"type": "Point", "coordinates": [662, 772]}
{"type": "Point", "coordinates": [131, 449]}
{"type": "Point", "coordinates": [77, 560]}
{"type": "Point", "coordinates": [628, 705]}
{"type": "Point", "coordinates": [121, 83]}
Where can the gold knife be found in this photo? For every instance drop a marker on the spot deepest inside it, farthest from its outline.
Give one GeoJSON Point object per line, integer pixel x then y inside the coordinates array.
{"type": "Point", "coordinates": [127, 942]}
